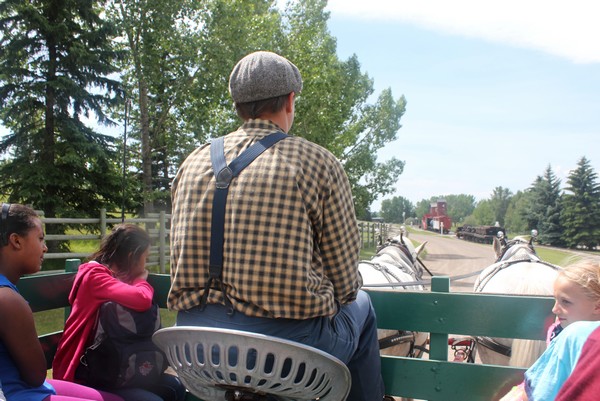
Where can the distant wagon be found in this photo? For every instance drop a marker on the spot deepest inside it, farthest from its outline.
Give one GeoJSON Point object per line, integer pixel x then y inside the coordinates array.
{"type": "Point", "coordinates": [481, 234]}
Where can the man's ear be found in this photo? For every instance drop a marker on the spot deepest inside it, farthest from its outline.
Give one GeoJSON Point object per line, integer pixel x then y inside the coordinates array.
{"type": "Point", "coordinates": [290, 102]}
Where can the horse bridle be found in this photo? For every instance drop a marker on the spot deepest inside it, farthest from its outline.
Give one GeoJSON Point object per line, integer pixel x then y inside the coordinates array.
{"type": "Point", "coordinates": [507, 245]}
{"type": "Point", "coordinates": [400, 245]}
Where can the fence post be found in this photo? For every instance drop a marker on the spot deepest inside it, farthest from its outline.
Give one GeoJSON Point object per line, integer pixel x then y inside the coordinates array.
{"type": "Point", "coordinates": [162, 236]}
{"type": "Point", "coordinates": [102, 223]}
{"type": "Point", "coordinates": [361, 231]}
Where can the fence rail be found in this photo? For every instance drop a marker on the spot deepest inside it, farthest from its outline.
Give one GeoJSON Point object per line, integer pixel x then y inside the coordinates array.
{"type": "Point", "coordinates": [158, 226]}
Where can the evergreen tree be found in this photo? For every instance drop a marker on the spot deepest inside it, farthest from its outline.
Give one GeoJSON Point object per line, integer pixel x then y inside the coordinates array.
{"type": "Point", "coordinates": [55, 64]}
{"type": "Point", "coordinates": [581, 207]}
{"type": "Point", "coordinates": [544, 207]}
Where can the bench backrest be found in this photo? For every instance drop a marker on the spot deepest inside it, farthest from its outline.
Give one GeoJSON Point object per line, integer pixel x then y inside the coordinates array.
{"type": "Point", "coordinates": [441, 313]}
{"type": "Point", "coordinates": [438, 312]}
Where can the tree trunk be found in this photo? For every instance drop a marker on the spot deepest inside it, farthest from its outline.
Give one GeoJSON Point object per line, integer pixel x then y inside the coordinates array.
{"type": "Point", "coordinates": [146, 152]}
{"type": "Point", "coordinates": [47, 154]}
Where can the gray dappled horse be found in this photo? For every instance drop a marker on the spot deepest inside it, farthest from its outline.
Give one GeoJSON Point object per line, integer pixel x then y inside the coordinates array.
{"type": "Point", "coordinates": [518, 270]}
{"type": "Point", "coordinates": [396, 262]}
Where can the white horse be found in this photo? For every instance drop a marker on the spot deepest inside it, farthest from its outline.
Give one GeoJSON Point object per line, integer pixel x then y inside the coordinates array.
{"type": "Point", "coordinates": [397, 262]}
{"type": "Point", "coordinates": [517, 271]}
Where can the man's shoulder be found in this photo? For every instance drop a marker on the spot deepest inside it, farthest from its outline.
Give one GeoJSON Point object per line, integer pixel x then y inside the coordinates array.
{"type": "Point", "coordinates": [311, 146]}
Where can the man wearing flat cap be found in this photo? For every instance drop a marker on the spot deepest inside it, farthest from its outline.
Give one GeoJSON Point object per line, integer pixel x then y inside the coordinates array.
{"type": "Point", "coordinates": [264, 237]}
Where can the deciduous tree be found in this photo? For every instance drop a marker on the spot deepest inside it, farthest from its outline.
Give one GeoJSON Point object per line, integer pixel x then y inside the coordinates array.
{"type": "Point", "coordinates": [499, 202]}
{"type": "Point", "coordinates": [397, 209]}
{"type": "Point", "coordinates": [514, 221]}
{"type": "Point", "coordinates": [459, 206]}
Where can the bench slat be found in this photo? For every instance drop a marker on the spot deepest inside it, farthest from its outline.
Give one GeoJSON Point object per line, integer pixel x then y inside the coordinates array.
{"type": "Point", "coordinates": [464, 313]}
{"type": "Point", "coordinates": [46, 292]}
{"type": "Point", "coordinates": [161, 284]}
{"type": "Point", "coordinates": [447, 381]}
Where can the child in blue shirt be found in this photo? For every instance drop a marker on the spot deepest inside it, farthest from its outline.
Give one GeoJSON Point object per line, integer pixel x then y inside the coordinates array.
{"type": "Point", "coordinates": [22, 360]}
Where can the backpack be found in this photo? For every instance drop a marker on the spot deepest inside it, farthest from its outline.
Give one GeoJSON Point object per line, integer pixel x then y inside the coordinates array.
{"type": "Point", "coordinates": [122, 353]}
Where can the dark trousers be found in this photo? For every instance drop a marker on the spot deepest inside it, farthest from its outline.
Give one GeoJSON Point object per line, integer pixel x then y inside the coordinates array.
{"type": "Point", "coordinates": [350, 336]}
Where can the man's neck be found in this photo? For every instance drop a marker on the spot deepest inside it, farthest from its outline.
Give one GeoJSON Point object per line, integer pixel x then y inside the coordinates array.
{"type": "Point", "coordinates": [278, 118]}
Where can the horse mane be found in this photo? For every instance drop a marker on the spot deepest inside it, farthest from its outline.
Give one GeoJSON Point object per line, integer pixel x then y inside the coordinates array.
{"type": "Point", "coordinates": [525, 352]}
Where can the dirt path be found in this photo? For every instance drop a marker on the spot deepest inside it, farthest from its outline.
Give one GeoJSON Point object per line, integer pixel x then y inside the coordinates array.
{"type": "Point", "coordinates": [449, 256]}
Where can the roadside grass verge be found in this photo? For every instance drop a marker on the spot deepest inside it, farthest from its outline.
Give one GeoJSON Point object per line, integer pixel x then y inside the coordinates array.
{"type": "Point", "coordinates": [556, 256]}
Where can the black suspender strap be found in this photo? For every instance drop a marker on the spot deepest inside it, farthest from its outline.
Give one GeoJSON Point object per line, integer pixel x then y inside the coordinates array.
{"type": "Point", "coordinates": [224, 174]}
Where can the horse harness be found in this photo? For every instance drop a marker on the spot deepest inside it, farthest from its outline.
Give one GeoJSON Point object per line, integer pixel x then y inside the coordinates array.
{"type": "Point", "coordinates": [400, 336]}
{"type": "Point", "coordinates": [403, 264]}
{"type": "Point", "coordinates": [399, 245]}
{"type": "Point", "coordinates": [224, 174]}
{"type": "Point", "coordinates": [506, 264]}
{"type": "Point", "coordinates": [508, 245]}
{"type": "Point", "coordinates": [489, 342]}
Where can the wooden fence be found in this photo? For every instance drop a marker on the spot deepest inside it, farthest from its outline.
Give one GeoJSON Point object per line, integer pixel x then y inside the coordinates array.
{"type": "Point", "coordinates": [158, 226]}
{"type": "Point", "coordinates": [373, 233]}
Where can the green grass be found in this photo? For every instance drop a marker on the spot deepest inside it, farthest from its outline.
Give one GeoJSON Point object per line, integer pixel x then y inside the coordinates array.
{"type": "Point", "coordinates": [367, 253]}
{"type": "Point", "coordinates": [53, 320]}
{"type": "Point", "coordinates": [49, 321]}
{"type": "Point", "coordinates": [86, 245]}
{"type": "Point", "coordinates": [557, 257]}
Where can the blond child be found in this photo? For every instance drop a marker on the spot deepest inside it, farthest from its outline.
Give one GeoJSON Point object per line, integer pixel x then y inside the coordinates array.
{"type": "Point", "coordinates": [577, 299]}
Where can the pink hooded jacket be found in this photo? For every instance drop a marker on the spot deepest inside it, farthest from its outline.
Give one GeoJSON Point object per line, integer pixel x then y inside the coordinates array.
{"type": "Point", "coordinates": [94, 284]}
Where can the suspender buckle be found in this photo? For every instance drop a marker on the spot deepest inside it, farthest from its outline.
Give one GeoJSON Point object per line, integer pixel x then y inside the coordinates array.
{"type": "Point", "coordinates": [224, 178]}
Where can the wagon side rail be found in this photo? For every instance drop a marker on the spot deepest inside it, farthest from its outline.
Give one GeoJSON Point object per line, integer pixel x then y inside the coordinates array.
{"type": "Point", "coordinates": [438, 312]}
{"type": "Point", "coordinates": [442, 313]}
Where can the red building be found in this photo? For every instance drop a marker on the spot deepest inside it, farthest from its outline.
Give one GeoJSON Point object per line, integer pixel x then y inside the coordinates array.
{"type": "Point", "coordinates": [437, 219]}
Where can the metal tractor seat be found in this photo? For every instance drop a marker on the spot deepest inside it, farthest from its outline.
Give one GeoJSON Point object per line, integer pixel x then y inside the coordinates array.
{"type": "Point", "coordinates": [223, 364]}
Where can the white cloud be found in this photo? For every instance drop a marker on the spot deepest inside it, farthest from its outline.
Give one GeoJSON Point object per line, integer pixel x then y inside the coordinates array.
{"type": "Point", "coordinates": [568, 29]}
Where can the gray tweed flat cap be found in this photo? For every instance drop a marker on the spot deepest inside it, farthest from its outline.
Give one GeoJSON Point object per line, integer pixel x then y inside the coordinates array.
{"type": "Point", "coordinates": [263, 75]}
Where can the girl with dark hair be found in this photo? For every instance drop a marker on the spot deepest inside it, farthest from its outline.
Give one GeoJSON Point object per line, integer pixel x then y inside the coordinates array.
{"type": "Point", "coordinates": [22, 360]}
{"type": "Point", "coordinates": [117, 272]}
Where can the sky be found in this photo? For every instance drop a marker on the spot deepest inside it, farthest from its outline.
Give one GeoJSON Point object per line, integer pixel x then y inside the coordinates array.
{"type": "Point", "coordinates": [496, 91]}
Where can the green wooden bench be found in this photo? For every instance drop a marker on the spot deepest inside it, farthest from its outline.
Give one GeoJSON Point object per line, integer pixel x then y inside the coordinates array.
{"type": "Point", "coordinates": [438, 312]}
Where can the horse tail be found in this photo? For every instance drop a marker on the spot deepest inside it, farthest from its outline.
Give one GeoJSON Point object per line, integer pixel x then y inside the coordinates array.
{"type": "Point", "coordinates": [525, 352]}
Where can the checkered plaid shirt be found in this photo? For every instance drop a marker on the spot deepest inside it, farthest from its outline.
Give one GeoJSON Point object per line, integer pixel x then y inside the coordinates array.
{"type": "Point", "coordinates": [291, 238]}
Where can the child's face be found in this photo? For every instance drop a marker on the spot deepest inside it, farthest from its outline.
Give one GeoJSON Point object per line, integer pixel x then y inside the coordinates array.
{"type": "Point", "coordinates": [34, 248]}
{"type": "Point", "coordinates": [140, 266]}
{"type": "Point", "coordinates": [571, 304]}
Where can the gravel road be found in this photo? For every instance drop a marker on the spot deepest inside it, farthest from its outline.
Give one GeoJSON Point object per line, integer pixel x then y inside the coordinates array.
{"type": "Point", "coordinates": [449, 256]}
